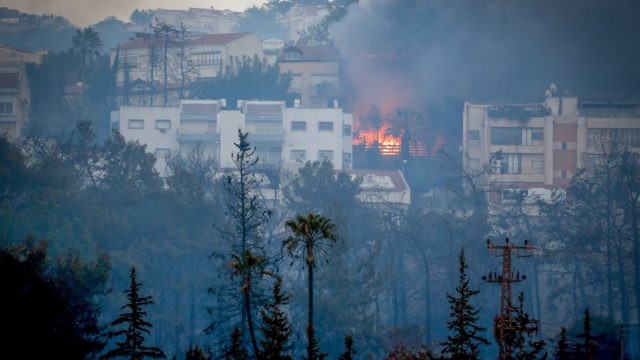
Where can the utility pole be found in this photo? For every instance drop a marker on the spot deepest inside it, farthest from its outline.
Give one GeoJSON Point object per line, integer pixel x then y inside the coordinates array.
{"type": "Point", "coordinates": [504, 324]}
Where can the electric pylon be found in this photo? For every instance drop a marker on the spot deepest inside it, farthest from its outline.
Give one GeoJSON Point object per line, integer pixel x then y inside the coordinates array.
{"type": "Point", "coordinates": [504, 324]}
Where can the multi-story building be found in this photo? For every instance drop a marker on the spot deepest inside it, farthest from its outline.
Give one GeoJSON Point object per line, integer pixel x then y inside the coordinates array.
{"type": "Point", "coordinates": [200, 21]}
{"type": "Point", "coordinates": [206, 55]}
{"type": "Point", "coordinates": [15, 93]}
{"type": "Point", "coordinates": [300, 18]}
{"type": "Point", "coordinates": [315, 72]}
{"type": "Point", "coordinates": [281, 135]}
{"type": "Point", "coordinates": [388, 188]}
{"type": "Point", "coordinates": [541, 145]}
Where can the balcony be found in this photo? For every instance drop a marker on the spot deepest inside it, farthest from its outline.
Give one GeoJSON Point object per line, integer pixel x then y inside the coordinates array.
{"type": "Point", "coordinates": [212, 117]}
{"type": "Point", "coordinates": [275, 137]}
{"type": "Point", "coordinates": [199, 137]}
{"type": "Point", "coordinates": [260, 118]}
{"type": "Point", "coordinates": [8, 118]}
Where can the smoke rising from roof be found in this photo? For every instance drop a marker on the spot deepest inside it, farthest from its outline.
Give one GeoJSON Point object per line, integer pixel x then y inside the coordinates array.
{"type": "Point", "coordinates": [433, 55]}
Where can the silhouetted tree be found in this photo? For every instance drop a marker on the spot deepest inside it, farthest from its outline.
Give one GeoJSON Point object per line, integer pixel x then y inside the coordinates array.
{"type": "Point", "coordinates": [466, 338]}
{"type": "Point", "coordinates": [588, 348]}
{"type": "Point", "coordinates": [246, 78]}
{"type": "Point", "coordinates": [196, 353]}
{"type": "Point", "coordinates": [276, 328]}
{"type": "Point", "coordinates": [166, 34]}
{"type": "Point", "coordinates": [49, 308]}
{"type": "Point", "coordinates": [522, 342]}
{"type": "Point", "coordinates": [311, 234]}
{"type": "Point", "coordinates": [562, 346]}
{"type": "Point", "coordinates": [86, 44]}
{"type": "Point", "coordinates": [349, 352]}
{"type": "Point", "coordinates": [134, 326]}
{"type": "Point", "coordinates": [235, 350]}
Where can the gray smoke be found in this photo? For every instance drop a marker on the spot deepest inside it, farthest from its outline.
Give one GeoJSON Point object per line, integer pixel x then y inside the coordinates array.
{"type": "Point", "coordinates": [431, 55]}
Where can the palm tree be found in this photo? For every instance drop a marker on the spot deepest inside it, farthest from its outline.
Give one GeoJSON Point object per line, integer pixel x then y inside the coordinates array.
{"type": "Point", "coordinates": [311, 234]}
{"type": "Point", "coordinates": [86, 44]}
{"type": "Point", "coordinates": [408, 127]}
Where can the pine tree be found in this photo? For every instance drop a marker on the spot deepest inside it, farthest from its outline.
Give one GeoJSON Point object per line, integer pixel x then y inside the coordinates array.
{"type": "Point", "coordinates": [134, 327]}
{"type": "Point", "coordinates": [466, 339]}
{"type": "Point", "coordinates": [276, 328]}
{"type": "Point", "coordinates": [349, 351]}
{"type": "Point", "coordinates": [522, 342]}
{"type": "Point", "coordinates": [588, 347]}
{"type": "Point", "coordinates": [562, 347]}
{"type": "Point", "coordinates": [196, 353]}
{"type": "Point", "coordinates": [235, 350]}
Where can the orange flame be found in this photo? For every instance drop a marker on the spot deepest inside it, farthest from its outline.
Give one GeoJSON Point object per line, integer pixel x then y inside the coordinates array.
{"type": "Point", "coordinates": [388, 145]}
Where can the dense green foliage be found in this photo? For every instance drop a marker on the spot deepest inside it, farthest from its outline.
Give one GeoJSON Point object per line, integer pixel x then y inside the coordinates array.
{"type": "Point", "coordinates": [49, 306]}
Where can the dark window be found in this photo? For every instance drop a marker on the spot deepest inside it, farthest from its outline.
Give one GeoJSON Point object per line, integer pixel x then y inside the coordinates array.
{"type": "Point", "coordinates": [506, 136]}
{"type": "Point", "coordinates": [298, 126]}
{"type": "Point", "coordinates": [325, 126]}
{"type": "Point", "coordinates": [473, 135]}
{"type": "Point", "coordinates": [537, 135]}
{"type": "Point", "coordinates": [346, 130]}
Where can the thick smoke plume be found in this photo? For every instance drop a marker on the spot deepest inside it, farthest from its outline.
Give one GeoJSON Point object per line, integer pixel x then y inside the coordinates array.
{"type": "Point", "coordinates": [431, 55]}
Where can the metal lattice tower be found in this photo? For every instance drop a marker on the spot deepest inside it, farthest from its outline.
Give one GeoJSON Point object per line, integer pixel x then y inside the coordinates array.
{"type": "Point", "coordinates": [504, 325]}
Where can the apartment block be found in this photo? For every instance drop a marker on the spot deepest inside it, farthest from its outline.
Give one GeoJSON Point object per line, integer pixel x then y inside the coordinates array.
{"type": "Point", "coordinates": [540, 146]}
{"type": "Point", "coordinates": [281, 135]}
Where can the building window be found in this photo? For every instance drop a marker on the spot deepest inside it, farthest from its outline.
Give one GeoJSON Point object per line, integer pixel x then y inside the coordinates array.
{"type": "Point", "coordinates": [537, 163]}
{"type": "Point", "coordinates": [506, 136]}
{"type": "Point", "coordinates": [537, 134]}
{"type": "Point", "coordinates": [207, 59]}
{"type": "Point", "coordinates": [162, 153]}
{"type": "Point", "coordinates": [136, 124]}
{"type": "Point", "coordinates": [507, 163]}
{"type": "Point", "coordinates": [346, 130]}
{"type": "Point", "coordinates": [346, 160]}
{"type": "Point", "coordinates": [115, 126]}
{"type": "Point", "coordinates": [325, 155]}
{"type": "Point", "coordinates": [6, 108]}
{"type": "Point", "coordinates": [299, 156]}
{"type": "Point", "coordinates": [325, 126]}
{"type": "Point", "coordinates": [474, 163]}
{"type": "Point", "coordinates": [163, 125]}
{"type": "Point", "coordinates": [473, 135]}
{"type": "Point", "coordinates": [564, 173]}
{"type": "Point", "coordinates": [298, 126]}
{"type": "Point", "coordinates": [564, 146]}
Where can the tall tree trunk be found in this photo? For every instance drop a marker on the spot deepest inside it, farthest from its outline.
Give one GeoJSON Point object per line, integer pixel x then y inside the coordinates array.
{"type": "Point", "coordinates": [608, 244]}
{"type": "Point", "coordinates": [636, 256]}
{"type": "Point", "coordinates": [310, 330]}
{"type": "Point", "coordinates": [252, 333]}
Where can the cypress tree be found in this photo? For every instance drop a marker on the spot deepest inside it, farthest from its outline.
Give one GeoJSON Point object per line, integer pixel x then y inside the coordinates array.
{"type": "Point", "coordinates": [466, 338]}
{"type": "Point", "coordinates": [276, 328]}
{"type": "Point", "coordinates": [134, 327]}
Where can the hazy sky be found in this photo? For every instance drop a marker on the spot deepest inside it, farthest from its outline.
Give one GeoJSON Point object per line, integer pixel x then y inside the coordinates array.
{"type": "Point", "coordinates": [86, 12]}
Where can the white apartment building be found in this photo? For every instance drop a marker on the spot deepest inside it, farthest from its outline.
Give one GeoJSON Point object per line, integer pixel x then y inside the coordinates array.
{"type": "Point", "coordinates": [200, 21]}
{"type": "Point", "coordinates": [539, 146]}
{"type": "Point", "coordinates": [280, 135]}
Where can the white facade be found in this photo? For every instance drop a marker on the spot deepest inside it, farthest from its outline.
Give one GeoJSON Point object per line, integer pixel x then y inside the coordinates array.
{"type": "Point", "coordinates": [280, 135]}
{"type": "Point", "coordinates": [200, 21]}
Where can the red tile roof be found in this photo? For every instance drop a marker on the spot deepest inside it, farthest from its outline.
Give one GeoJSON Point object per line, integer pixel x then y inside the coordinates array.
{"type": "Point", "coordinates": [211, 39]}
{"type": "Point", "coordinates": [9, 80]}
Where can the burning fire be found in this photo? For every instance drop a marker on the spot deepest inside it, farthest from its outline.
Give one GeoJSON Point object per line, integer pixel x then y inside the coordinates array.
{"type": "Point", "coordinates": [388, 145]}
